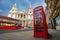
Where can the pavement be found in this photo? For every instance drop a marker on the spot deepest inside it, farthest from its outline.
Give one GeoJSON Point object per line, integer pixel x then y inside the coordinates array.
{"type": "Point", "coordinates": [27, 35]}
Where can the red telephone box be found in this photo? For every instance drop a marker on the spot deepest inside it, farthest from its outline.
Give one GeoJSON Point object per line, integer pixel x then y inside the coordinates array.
{"type": "Point", "coordinates": [40, 26]}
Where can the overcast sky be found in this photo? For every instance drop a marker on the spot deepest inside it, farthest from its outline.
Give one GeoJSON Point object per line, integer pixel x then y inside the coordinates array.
{"type": "Point", "coordinates": [6, 5]}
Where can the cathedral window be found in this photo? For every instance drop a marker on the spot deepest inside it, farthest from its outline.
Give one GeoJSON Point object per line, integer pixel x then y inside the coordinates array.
{"type": "Point", "coordinates": [30, 12]}
{"type": "Point", "coordinates": [24, 16]}
{"type": "Point", "coordinates": [21, 15]}
{"type": "Point", "coordinates": [12, 10]}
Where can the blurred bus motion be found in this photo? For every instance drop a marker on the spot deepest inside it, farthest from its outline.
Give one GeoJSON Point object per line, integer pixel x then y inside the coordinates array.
{"type": "Point", "coordinates": [7, 23]}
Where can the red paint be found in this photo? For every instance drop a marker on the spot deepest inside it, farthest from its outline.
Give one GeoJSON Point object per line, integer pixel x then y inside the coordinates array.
{"type": "Point", "coordinates": [42, 32]}
{"type": "Point", "coordinates": [10, 27]}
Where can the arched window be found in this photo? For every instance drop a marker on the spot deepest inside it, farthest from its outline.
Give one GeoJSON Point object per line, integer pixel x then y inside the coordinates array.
{"type": "Point", "coordinates": [21, 15]}
{"type": "Point", "coordinates": [24, 16]}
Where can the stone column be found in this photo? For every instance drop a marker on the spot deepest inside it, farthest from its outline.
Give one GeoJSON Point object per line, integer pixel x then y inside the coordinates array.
{"type": "Point", "coordinates": [22, 22]}
{"type": "Point", "coordinates": [16, 15]}
{"type": "Point", "coordinates": [23, 16]}
{"type": "Point", "coordinates": [19, 16]}
{"type": "Point", "coordinates": [28, 23]}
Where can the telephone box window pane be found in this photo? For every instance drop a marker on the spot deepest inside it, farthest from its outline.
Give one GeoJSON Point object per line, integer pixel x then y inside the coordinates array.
{"type": "Point", "coordinates": [38, 21]}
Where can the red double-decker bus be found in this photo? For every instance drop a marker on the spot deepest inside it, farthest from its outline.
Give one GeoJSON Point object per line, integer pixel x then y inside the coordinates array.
{"type": "Point", "coordinates": [7, 23]}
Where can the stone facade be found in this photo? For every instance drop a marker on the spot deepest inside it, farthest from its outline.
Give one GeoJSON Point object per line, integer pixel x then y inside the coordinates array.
{"type": "Point", "coordinates": [24, 16]}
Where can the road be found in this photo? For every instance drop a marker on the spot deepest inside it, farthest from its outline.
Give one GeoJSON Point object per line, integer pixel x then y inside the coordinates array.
{"type": "Point", "coordinates": [27, 35]}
